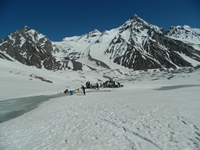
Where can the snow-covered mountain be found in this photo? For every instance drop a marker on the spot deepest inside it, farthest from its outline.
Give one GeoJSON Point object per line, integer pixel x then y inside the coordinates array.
{"type": "Point", "coordinates": [28, 47]}
{"type": "Point", "coordinates": [185, 33]}
{"type": "Point", "coordinates": [136, 45]}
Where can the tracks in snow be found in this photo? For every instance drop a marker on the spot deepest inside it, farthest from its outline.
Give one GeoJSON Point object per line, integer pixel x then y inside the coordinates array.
{"type": "Point", "coordinates": [117, 123]}
{"type": "Point", "coordinates": [101, 121]}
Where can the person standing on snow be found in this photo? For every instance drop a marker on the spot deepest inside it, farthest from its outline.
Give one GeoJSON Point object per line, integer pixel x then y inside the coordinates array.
{"type": "Point", "coordinates": [83, 88]}
{"type": "Point", "coordinates": [97, 85]}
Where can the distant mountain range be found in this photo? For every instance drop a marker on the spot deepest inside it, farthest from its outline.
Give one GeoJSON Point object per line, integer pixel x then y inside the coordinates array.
{"type": "Point", "coordinates": [136, 44]}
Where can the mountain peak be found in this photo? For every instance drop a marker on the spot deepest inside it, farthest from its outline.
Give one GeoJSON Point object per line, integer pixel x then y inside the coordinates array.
{"type": "Point", "coordinates": [136, 18]}
{"type": "Point", "coordinates": [26, 28]}
{"type": "Point", "coordinates": [95, 31]}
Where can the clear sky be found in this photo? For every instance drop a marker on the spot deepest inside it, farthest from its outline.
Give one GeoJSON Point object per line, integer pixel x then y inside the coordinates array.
{"type": "Point", "coordinates": [64, 18]}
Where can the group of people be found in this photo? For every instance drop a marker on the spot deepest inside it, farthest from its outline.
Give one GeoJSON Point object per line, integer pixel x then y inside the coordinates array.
{"type": "Point", "coordinates": [108, 84]}
{"type": "Point", "coordinates": [88, 85]}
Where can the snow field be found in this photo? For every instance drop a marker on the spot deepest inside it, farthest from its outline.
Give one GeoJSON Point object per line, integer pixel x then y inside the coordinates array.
{"type": "Point", "coordinates": [154, 110]}
{"type": "Point", "coordinates": [127, 118]}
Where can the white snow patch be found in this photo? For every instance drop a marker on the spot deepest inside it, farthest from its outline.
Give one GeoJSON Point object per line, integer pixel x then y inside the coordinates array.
{"type": "Point", "coordinates": [188, 59]}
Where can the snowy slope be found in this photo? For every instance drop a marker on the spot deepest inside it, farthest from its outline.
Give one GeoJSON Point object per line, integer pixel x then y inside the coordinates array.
{"type": "Point", "coordinates": [154, 110]}
{"type": "Point", "coordinates": [79, 47]}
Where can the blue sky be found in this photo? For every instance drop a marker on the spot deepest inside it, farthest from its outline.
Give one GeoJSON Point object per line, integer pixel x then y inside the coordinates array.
{"type": "Point", "coordinates": [64, 18]}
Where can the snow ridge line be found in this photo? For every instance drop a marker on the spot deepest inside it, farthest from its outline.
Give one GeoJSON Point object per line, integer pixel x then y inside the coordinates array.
{"type": "Point", "coordinates": [131, 132]}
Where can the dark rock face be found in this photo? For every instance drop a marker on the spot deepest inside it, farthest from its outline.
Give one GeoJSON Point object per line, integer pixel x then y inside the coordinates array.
{"type": "Point", "coordinates": [152, 55]}
{"type": "Point", "coordinates": [177, 47]}
{"type": "Point", "coordinates": [30, 48]}
{"type": "Point", "coordinates": [77, 65]}
{"type": "Point", "coordinates": [98, 62]}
